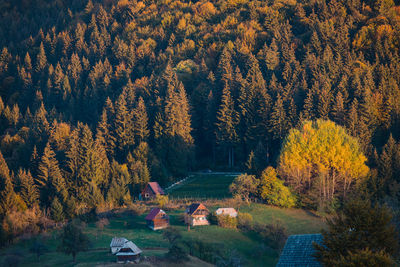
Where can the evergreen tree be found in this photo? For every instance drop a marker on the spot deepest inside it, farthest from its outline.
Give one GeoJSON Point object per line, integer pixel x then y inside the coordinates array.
{"type": "Point", "coordinates": [124, 133]}
{"type": "Point", "coordinates": [29, 191]}
{"type": "Point", "coordinates": [56, 210]}
{"type": "Point", "coordinates": [140, 122]}
{"type": "Point", "coordinates": [227, 121]}
{"type": "Point", "coordinates": [51, 182]}
{"type": "Point", "coordinates": [279, 125]}
{"type": "Point", "coordinates": [41, 60]}
{"type": "Point", "coordinates": [7, 194]}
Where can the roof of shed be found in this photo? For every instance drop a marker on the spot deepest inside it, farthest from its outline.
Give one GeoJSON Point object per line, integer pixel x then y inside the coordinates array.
{"type": "Point", "coordinates": [153, 213]}
{"type": "Point", "coordinates": [156, 188]}
{"type": "Point", "coordinates": [135, 250]}
{"type": "Point", "coordinates": [118, 241]}
{"type": "Point", "coordinates": [195, 206]}
{"type": "Point", "coordinates": [299, 250]}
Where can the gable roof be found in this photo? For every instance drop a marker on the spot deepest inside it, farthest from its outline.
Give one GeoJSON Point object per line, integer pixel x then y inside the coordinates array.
{"type": "Point", "coordinates": [153, 213]}
{"type": "Point", "coordinates": [134, 250]}
{"type": "Point", "coordinates": [299, 250]}
{"type": "Point", "coordinates": [118, 241]}
{"type": "Point", "coordinates": [195, 206]}
{"type": "Point", "coordinates": [156, 188]}
{"type": "Point", "coordinates": [226, 211]}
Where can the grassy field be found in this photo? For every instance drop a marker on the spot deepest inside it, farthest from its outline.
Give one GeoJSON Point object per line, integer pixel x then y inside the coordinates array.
{"type": "Point", "coordinates": [134, 228]}
{"type": "Point", "coordinates": [205, 186]}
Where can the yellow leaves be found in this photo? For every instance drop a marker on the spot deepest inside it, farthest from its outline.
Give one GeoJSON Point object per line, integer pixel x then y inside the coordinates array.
{"type": "Point", "coordinates": [322, 146]}
{"type": "Point", "coordinates": [181, 24]}
{"type": "Point", "coordinates": [123, 3]}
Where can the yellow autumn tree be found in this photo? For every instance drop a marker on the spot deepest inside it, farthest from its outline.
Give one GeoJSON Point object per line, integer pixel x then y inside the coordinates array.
{"type": "Point", "coordinates": [321, 159]}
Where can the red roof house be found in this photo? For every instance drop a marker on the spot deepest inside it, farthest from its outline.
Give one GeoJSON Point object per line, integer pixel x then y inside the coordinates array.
{"type": "Point", "coordinates": [151, 190]}
{"type": "Point", "coordinates": [157, 219]}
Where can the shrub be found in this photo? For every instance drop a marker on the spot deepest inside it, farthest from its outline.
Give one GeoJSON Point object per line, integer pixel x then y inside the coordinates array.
{"type": "Point", "coordinates": [161, 201]}
{"type": "Point", "coordinates": [227, 221]}
{"type": "Point", "coordinates": [245, 221]}
{"type": "Point", "coordinates": [273, 191]}
{"type": "Point", "coordinates": [274, 234]}
{"type": "Point", "coordinates": [212, 218]}
{"type": "Point", "coordinates": [137, 209]}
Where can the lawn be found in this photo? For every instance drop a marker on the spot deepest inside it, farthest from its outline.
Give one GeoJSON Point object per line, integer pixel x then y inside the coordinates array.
{"type": "Point", "coordinates": [205, 186]}
{"type": "Point", "coordinates": [133, 228]}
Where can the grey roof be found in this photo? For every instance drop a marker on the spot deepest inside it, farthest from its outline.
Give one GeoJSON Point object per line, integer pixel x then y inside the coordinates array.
{"type": "Point", "coordinates": [118, 241]}
{"type": "Point", "coordinates": [299, 250]}
{"type": "Point", "coordinates": [134, 250]}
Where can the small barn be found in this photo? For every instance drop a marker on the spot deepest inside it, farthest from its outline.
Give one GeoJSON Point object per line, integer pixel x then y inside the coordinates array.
{"type": "Point", "coordinates": [151, 190]}
{"type": "Point", "coordinates": [299, 251]}
{"type": "Point", "coordinates": [226, 212]}
{"type": "Point", "coordinates": [157, 219]}
{"type": "Point", "coordinates": [117, 243]}
{"type": "Point", "coordinates": [196, 214]}
{"type": "Point", "coordinates": [128, 253]}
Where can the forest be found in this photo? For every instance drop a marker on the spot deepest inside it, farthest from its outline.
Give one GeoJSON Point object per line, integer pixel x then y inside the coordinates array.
{"type": "Point", "coordinates": [99, 97]}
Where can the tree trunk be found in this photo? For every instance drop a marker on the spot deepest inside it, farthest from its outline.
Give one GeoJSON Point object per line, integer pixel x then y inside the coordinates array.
{"type": "Point", "coordinates": [74, 256]}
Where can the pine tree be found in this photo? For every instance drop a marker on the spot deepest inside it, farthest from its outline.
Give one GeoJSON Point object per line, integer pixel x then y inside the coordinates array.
{"type": "Point", "coordinates": [7, 194]}
{"type": "Point", "coordinates": [338, 109]}
{"type": "Point", "coordinates": [279, 125]}
{"type": "Point", "coordinates": [56, 210]}
{"type": "Point", "coordinates": [140, 121]}
{"type": "Point", "coordinates": [227, 121]}
{"type": "Point", "coordinates": [41, 60]}
{"type": "Point", "coordinates": [123, 127]}
{"type": "Point", "coordinates": [29, 191]}
{"type": "Point", "coordinates": [51, 182]}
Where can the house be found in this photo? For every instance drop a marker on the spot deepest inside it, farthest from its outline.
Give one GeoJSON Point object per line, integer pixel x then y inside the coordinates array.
{"type": "Point", "coordinates": [151, 190]}
{"type": "Point", "coordinates": [117, 243]}
{"type": "Point", "coordinates": [196, 214]}
{"type": "Point", "coordinates": [157, 219]}
{"type": "Point", "coordinates": [299, 250]}
{"type": "Point", "coordinates": [226, 211]}
{"type": "Point", "coordinates": [128, 253]}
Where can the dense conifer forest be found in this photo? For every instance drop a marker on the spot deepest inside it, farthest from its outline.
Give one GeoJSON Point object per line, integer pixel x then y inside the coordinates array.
{"type": "Point", "coordinates": [100, 97]}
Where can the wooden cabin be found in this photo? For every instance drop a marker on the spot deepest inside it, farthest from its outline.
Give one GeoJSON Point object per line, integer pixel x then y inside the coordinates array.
{"type": "Point", "coordinates": [226, 212]}
{"type": "Point", "coordinates": [129, 253]}
{"type": "Point", "coordinates": [151, 190]}
{"type": "Point", "coordinates": [196, 214]}
{"type": "Point", "coordinates": [157, 219]}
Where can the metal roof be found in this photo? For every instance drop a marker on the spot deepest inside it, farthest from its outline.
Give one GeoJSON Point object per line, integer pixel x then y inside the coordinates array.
{"type": "Point", "coordinates": [135, 250]}
{"type": "Point", "coordinates": [226, 211]}
{"type": "Point", "coordinates": [156, 188]}
{"type": "Point", "coordinates": [299, 250]}
{"type": "Point", "coordinates": [118, 241]}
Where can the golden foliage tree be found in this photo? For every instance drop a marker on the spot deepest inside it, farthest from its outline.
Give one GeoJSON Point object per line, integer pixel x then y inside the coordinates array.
{"type": "Point", "coordinates": [321, 157]}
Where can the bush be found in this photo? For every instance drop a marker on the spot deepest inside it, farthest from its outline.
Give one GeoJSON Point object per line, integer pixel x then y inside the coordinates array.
{"type": "Point", "coordinates": [225, 221]}
{"type": "Point", "coordinates": [274, 234]}
{"type": "Point", "coordinates": [273, 191]}
{"type": "Point", "coordinates": [161, 201]}
{"type": "Point", "coordinates": [245, 221]}
{"type": "Point", "coordinates": [213, 218]}
{"type": "Point", "coordinates": [137, 209]}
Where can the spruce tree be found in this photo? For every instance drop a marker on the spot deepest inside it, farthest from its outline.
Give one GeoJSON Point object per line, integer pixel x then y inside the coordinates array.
{"type": "Point", "coordinates": [51, 182]}
{"type": "Point", "coordinates": [56, 210]}
{"type": "Point", "coordinates": [226, 123]}
{"type": "Point", "coordinates": [7, 193]}
{"type": "Point", "coordinates": [41, 60]}
{"type": "Point", "coordinates": [29, 191]}
{"type": "Point", "coordinates": [279, 125]}
{"type": "Point", "coordinates": [123, 127]}
{"type": "Point", "coordinates": [140, 121]}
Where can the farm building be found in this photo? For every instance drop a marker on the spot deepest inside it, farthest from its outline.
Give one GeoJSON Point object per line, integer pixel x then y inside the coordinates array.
{"type": "Point", "coordinates": [128, 253]}
{"type": "Point", "coordinates": [157, 219]}
{"type": "Point", "coordinates": [299, 250]}
{"type": "Point", "coordinates": [226, 212]}
{"type": "Point", "coordinates": [151, 190]}
{"type": "Point", "coordinates": [196, 214]}
{"type": "Point", "coordinates": [117, 243]}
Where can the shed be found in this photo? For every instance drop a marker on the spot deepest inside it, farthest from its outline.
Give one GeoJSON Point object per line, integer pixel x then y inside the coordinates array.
{"type": "Point", "coordinates": [226, 211]}
{"type": "Point", "coordinates": [117, 243]}
{"type": "Point", "coordinates": [299, 250]}
{"type": "Point", "coordinates": [196, 214]}
{"type": "Point", "coordinates": [157, 219]}
{"type": "Point", "coordinates": [129, 253]}
{"type": "Point", "coordinates": [151, 190]}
